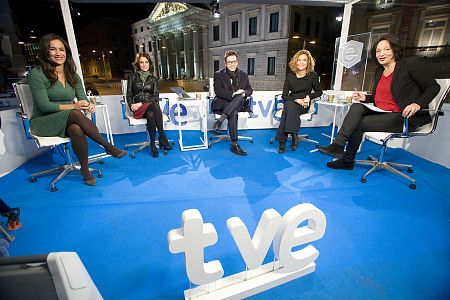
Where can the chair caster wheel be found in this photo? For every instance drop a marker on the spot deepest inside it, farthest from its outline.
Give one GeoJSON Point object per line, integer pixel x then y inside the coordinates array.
{"type": "Point", "coordinates": [270, 142]}
{"type": "Point", "coordinates": [126, 148]}
{"type": "Point", "coordinates": [412, 186]}
{"type": "Point", "coordinates": [133, 156]}
{"type": "Point", "coordinates": [409, 170]}
{"type": "Point", "coordinates": [53, 189]}
{"type": "Point", "coordinates": [33, 179]}
{"type": "Point", "coordinates": [172, 143]}
{"type": "Point", "coordinates": [251, 142]}
{"type": "Point", "coordinates": [100, 176]}
{"type": "Point", "coordinates": [166, 152]}
{"type": "Point", "coordinates": [363, 180]}
{"type": "Point", "coordinates": [102, 162]}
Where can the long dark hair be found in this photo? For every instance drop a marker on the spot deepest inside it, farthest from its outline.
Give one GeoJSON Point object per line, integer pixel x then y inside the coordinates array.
{"type": "Point", "coordinates": [48, 67]}
{"type": "Point", "coordinates": [136, 61]}
{"type": "Point", "coordinates": [396, 47]}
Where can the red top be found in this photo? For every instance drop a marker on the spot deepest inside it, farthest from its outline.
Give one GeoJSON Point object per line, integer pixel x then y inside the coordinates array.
{"type": "Point", "coordinates": [383, 95]}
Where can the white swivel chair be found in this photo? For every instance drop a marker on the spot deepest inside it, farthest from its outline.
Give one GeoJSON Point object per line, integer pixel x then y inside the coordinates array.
{"type": "Point", "coordinates": [25, 100]}
{"type": "Point", "coordinates": [216, 138]}
{"type": "Point", "coordinates": [391, 140]}
{"type": "Point", "coordinates": [127, 114]}
{"type": "Point", "coordinates": [308, 116]}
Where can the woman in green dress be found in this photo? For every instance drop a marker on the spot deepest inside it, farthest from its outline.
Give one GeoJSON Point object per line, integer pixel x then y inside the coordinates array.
{"type": "Point", "coordinates": [54, 84]}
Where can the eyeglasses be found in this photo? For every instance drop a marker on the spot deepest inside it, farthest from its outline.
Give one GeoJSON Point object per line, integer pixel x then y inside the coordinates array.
{"type": "Point", "coordinates": [231, 62]}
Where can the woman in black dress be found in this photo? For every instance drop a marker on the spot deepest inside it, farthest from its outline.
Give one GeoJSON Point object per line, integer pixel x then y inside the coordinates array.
{"type": "Point", "coordinates": [301, 85]}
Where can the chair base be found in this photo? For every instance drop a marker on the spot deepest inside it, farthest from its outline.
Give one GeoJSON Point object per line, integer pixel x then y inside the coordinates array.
{"type": "Point", "coordinates": [143, 145]}
{"type": "Point", "coordinates": [388, 166]}
{"type": "Point", "coordinates": [301, 138]}
{"type": "Point", "coordinates": [225, 137]}
{"type": "Point", "coordinates": [64, 169]}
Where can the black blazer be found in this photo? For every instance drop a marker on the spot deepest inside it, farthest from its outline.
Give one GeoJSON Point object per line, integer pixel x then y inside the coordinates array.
{"type": "Point", "coordinates": [412, 82]}
{"type": "Point", "coordinates": [222, 85]}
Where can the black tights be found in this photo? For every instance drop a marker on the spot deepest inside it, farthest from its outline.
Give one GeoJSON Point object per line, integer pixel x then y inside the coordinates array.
{"type": "Point", "coordinates": [154, 121]}
{"type": "Point", "coordinates": [78, 127]}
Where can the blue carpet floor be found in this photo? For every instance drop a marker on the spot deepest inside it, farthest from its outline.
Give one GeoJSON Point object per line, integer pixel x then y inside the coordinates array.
{"type": "Point", "coordinates": [383, 240]}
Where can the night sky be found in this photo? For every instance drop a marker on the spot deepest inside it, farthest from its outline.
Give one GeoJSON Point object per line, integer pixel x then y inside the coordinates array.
{"type": "Point", "coordinates": [38, 17]}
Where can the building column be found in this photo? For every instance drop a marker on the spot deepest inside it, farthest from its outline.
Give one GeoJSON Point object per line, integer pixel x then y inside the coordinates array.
{"type": "Point", "coordinates": [204, 73]}
{"type": "Point", "coordinates": [187, 57]}
{"type": "Point", "coordinates": [196, 53]}
{"type": "Point", "coordinates": [177, 56]}
{"type": "Point", "coordinates": [155, 58]}
{"type": "Point", "coordinates": [163, 57]}
{"type": "Point", "coordinates": [169, 61]}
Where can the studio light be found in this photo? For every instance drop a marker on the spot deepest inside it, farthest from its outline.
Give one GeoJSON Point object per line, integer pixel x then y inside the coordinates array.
{"type": "Point", "coordinates": [215, 9]}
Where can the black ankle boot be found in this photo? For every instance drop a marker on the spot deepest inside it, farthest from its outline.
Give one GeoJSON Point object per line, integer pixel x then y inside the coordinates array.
{"type": "Point", "coordinates": [295, 141]}
{"type": "Point", "coordinates": [153, 149]}
{"type": "Point", "coordinates": [164, 143]}
{"type": "Point", "coordinates": [332, 150]}
{"type": "Point", "coordinates": [282, 148]}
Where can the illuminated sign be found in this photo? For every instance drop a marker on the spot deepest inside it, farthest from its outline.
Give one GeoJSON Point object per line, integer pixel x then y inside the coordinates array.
{"type": "Point", "coordinates": [284, 231]}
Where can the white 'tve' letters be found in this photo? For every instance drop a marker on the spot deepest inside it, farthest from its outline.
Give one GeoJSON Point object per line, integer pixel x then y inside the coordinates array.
{"type": "Point", "coordinates": [191, 239]}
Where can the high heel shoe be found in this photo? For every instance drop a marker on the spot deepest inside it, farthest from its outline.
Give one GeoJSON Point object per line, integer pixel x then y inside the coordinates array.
{"type": "Point", "coordinates": [164, 143]}
{"type": "Point", "coordinates": [153, 149]}
{"type": "Point", "coordinates": [88, 178]}
{"type": "Point", "coordinates": [116, 152]}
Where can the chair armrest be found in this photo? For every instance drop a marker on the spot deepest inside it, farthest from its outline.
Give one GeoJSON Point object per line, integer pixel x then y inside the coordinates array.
{"type": "Point", "coordinates": [124, 105]}
{"type": "Point", "coordinates": [26, 124]}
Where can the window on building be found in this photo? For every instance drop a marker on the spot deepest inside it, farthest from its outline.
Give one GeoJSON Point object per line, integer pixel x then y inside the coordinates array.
{"type": "Point", "coordinates": [308, 27]}
{"type": "Point", "coordinates": [297, 22]}
{"type": "Point", "coordinates": [216, 65]}
{"type": "Point", "coordinates": [433, 33]}
{"type": "Point", "coordinates": [273, 26]}
{"type": "Point", "coordinates": [142, 28]}
{"type": "Point", "coordinates": [377, 33]}
{"type": "Point", "coordinates": [234, 29]}
{"type": "Point", "coordinates": [135, 30]}
{"type": "Point", "coordinates": [136, 48]}
{"type": "Point", "coordinates": [216, 33]}
{"type": "Point", "coordinates": [252, 26]}
{"type": "Point", "coordinates": [251, 66]}
{"type": "Point", "coordinates": [271, 66]}
{"type": "Point", "coordinates": [317, 30]}
{"type": "Point", "coordinates": [150, 46]}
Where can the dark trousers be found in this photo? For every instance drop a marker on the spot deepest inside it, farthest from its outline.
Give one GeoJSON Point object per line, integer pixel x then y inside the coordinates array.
{"type": "Point", "coordinates": [231, 109]}
{"type": "Point", "coordinates": [360, 119]}
{"type": "Point", "coordinates": [290, 120]}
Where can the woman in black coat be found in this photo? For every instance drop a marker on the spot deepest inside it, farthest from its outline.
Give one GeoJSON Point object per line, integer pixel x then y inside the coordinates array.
{"type": "Point", "coordinates": [301, 85]}
{"type": "Point", "coordinates": [402, 87]}
{"type": "Point", "coordinates": [143, 99]}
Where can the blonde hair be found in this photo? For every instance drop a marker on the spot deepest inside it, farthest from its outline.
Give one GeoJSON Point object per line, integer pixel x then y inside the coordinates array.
{"type": "Point", "coordinates": [294, 59]}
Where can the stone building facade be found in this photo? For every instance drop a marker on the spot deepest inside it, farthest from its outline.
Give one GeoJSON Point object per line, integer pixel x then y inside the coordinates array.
{"type": "Point", "coordinates": [185, 42]}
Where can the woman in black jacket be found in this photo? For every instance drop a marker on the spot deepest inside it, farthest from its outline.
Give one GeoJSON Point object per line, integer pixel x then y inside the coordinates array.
{"type": "Point", "coordinates": [402, 87]}
{"type": "Point", "coordinates": [143, 99]}
{"type": "Point", "coordinates": [301, 85]}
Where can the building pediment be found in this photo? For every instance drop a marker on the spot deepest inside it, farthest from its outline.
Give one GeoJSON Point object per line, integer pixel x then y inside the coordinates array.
{"type": "Point", "coordinates": [165, 10]}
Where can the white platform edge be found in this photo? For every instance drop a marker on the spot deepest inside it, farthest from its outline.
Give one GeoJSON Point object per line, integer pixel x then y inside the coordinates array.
{"type": "Point", "coordinates": [236, 287]}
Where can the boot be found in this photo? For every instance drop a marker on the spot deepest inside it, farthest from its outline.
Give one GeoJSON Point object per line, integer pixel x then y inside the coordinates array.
{"type": "Point", "coordinates": [295, 141]}
{"type": "Point", "coordinates": [282, 148]}
{"type": "Point", "coordinates": [164, 143]}
{"type": "Point", "coordinates": [153, 148]}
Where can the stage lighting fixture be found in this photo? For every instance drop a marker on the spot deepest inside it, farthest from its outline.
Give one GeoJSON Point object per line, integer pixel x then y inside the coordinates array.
{"type": "Point", "coordinates": [215, 9]}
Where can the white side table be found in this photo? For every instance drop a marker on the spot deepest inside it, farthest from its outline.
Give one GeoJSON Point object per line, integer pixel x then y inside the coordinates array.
{"type": "Point", "coordinates": [201, 106]}
{"type": "Point", "coordinates": [109, 135]}
{"type": "Point", "coordinates": [337, 119]}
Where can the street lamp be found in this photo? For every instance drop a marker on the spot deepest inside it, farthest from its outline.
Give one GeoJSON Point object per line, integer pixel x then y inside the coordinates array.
{"type": "Point", "coordinates": [104, 63]}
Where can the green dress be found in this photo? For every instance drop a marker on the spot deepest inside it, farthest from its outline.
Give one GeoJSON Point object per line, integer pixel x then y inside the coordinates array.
{"type": "Point", "coordinates": [47, 119]}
